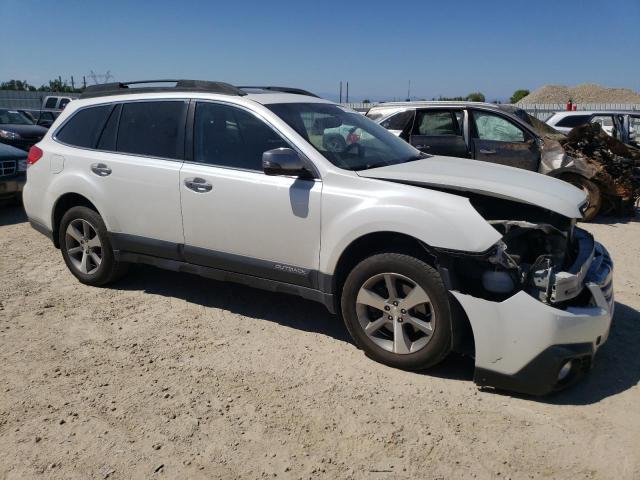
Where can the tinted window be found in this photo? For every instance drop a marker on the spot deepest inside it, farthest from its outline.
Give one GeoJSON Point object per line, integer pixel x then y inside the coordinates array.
{"type": "Point", "coordinates": [398, 121]}
{"type": "Point", "coordinates": [63, 102]}
{"type": "Point", "coordinates": [231, 137]}
{"type": "Point", "coordinates": [13, 117]}
{"type": "Point", "coordinates": [573, 121]}
{"type": "Point", "coordinates": [109, 133]}
{"type": "Point", "coordinates": [84, 127]}
{"type": "Point", "coordinates": [51, 102]}
{"type": "Point", "coordinates": [436, 123]}
{"type": "Point", "coordinates": [155, 129]}
{"type": "Point", "coordinates": [496, 128]}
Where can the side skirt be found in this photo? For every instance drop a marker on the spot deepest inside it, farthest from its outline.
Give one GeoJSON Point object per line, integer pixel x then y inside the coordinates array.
{"type": "Point", "coordinates": [226, 276]}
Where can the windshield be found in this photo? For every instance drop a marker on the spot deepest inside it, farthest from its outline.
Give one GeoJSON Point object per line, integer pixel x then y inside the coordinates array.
{"type": "Point", "coordinates": [13, 117]}
{"type": "Point", "coordinates": [345, 138]}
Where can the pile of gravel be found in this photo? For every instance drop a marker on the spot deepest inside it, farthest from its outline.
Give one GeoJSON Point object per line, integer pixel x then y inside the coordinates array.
{"type": "Point", "coordinates": [585, 93]}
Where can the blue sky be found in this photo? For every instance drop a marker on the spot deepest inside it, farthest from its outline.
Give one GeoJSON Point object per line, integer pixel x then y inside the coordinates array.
{"type": "Point", "coordinates": [443, 47]}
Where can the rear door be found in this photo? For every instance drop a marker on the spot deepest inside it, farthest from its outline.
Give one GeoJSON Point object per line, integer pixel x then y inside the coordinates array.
{"type": "Point", "coordinates": [132, 159]}
{"type": "Point", "coordinates": [498, 139]}
{"type": "Point", "coordinates": [439, 132]}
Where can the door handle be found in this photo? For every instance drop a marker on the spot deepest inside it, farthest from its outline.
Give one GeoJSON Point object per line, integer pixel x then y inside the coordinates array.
{"type": "Point", "coordinates": [487, 152]}
{"type": "Point", "coordinates": [198, 185]}
{"type": "Point", "coordinates": [100, 169]}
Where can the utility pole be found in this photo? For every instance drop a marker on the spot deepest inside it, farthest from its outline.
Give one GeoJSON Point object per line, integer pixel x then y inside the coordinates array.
{"type": "Point", "coordinates": [340, 91]}
{"type": "Point", "coordinates": [73, 84]}
{"type": "Point", "coordinates": [409, 92]}
{"type": "Point", "coordinates": [84, 81]}
{"type": "Point", "coordinates": [347, 92]}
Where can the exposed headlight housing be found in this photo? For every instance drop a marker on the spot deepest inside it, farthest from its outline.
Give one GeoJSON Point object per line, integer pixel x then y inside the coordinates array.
{"type": "Point", "coordinates": [9, 135]}
{"type": "Point", "coordinates": [22, 165]}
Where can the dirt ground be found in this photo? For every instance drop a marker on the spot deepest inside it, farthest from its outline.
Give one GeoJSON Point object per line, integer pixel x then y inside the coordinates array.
{"type": "Point", "coordinates": [172, 376]}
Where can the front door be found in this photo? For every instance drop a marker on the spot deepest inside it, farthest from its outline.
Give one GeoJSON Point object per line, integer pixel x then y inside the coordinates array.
{"type": "Point", "coordinates": [497, 139]}
{"type": "Point", "coordinates": [235, 217]}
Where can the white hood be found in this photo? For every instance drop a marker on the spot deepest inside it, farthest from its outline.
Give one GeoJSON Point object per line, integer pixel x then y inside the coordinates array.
{"type": "Point", "coordinates": [488, 179]}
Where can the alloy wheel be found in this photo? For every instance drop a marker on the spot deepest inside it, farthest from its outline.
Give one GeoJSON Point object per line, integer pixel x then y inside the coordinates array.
{"type": "Point", "coordinates": [83, 246]}
{"type": "Point", "coordinates": [395, 313]}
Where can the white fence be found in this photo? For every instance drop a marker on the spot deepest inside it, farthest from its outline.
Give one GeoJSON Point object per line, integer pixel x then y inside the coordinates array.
{"type": "Point", "coordinates": [27, 100]}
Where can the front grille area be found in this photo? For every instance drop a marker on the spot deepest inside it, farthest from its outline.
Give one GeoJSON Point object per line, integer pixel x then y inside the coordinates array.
{"type": "Point", "coordinates": [7, 167]}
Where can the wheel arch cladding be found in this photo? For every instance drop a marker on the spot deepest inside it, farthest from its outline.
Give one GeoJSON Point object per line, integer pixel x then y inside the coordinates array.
{"type": "Point", "coordinates": [380, 242]}
{"type": "Point", "coordinates": [62, 205]}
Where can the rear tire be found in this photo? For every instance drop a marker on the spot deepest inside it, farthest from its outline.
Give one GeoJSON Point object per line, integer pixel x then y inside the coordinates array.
{"type": "Point", "coordinates": [594, 197]}
{"type": "Point", "coordinates": [86, 248]}
{"type": "Point", "coordinates": [396, 308]}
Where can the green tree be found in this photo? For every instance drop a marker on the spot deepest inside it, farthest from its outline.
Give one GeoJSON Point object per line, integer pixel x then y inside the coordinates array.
{"type": "Point", "coordinates": [519, 95]}
{"type": "Point", "coordinates": [21, 85]}
{"type": "Point", "coordinates": [475, 97]}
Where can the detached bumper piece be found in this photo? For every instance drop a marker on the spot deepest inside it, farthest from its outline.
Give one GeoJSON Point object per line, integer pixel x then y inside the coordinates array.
{"type": "Point", "coordinates": [530, 347]}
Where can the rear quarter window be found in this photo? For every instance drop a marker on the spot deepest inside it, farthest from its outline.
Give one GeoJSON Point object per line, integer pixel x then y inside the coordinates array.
{"type": "Point", "coordinates": [84, 127]}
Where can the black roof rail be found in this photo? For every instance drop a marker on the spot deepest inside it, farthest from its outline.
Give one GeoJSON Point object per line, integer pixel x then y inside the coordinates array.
{"type": "Point", "coordinates": [121, 88]}
{"type": "Point", "coordinates": [297, 91]}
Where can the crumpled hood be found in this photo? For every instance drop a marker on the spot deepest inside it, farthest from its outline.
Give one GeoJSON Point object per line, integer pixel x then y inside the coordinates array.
{"type": "Point", "coordinates": [488, 179]}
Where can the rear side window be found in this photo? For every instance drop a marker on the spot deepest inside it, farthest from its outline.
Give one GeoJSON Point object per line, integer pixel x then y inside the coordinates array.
{"type": "Point", "coordinates": [84, 127]}
{"type": "Point", "coordinates": [398, 121]}
{"type": "Point", "coordinates": [155, 129]}
{"type": "Point", "coordinates": [110, 132]}
{"type": "Point", "coordinates": [231, 137]}
{"type": "Point", "coordinates": [435, 123]}
{"type": "Point", "coordinates": [63, 103]}
{"type": "Point", "coordinates": [573, 121]}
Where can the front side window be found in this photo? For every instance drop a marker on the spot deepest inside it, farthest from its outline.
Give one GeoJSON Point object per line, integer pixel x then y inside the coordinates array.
{"type": "Point", "coordinates": [494, 127]}
{"type": "Point", "coordinates": [63, 103]}
{"type": "Point", "coordinates": [436, 123]}
{"type": "Point", "coordinates": [84, 127]}
{"type": "Point", "coordinates": [13, 117]}
{"type": "Point", "coordinates": [230, 137]}
{"type": "Point", "coordinates": [154, 129]}
{"type": "Point", "coordinates": [345, 138]}
{"type": "Point", "coordinates": [51, 102]}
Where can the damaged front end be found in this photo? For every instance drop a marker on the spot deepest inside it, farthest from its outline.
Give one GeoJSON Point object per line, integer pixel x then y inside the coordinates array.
{"type": "Point", "coordinates": [543, 288]}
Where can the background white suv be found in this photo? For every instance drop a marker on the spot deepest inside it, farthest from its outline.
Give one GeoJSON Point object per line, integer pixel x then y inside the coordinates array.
{"type": "Point", "coordinates": [420, 254]}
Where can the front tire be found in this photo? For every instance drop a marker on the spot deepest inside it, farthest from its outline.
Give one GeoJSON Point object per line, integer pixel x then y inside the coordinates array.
{"type": "Point", "coordinates": [86, 248]}
{"type": "Point", "coordinates": [396, 308]}
{"type": "Point", "coordinates": [594, 197]}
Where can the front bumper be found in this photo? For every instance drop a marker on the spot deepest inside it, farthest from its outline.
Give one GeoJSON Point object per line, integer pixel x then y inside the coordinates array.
{"type": "Point", "coordinates": [10, 187]}
{"type": "Point", "coordinates": [521, 344]}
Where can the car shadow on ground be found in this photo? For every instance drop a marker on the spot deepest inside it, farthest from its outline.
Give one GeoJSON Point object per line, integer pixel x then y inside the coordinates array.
{"type": "Point", "coordinates": [616, 368]}
{"type": "Point", "coordinates": [11, 214]}
{"type": "Point", "coordinates": [617, 219]}
{"type": "Point", "coordinates": [286, 310]}
{"type": "Point", "coordinates": [260, 305]}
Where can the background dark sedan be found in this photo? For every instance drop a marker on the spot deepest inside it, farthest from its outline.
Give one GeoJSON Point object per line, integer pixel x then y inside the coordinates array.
{"type": "Point", "coordinates": [13, 172]}
{"type": "Point", "coordinates": [17, 130]}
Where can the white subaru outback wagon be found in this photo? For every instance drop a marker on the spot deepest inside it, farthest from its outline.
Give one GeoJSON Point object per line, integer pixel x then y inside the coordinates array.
{"type": "Point", "coordinates": [419, 254]}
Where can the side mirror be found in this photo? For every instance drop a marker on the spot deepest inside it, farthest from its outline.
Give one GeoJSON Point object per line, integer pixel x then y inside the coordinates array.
{"type": "Point", "coordinates": [285, 162]}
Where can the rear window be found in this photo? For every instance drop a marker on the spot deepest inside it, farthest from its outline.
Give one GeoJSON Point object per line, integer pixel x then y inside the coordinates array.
{"type": "Point", "coordinates": [573, 121]}
{"type": "Point", "coordinates": [84, 127]}
{"type": "Point", "coordinates": [155, 129]}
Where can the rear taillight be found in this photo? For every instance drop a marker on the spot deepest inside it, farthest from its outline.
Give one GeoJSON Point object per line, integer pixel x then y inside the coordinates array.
{"type": "Point", "coordinates": [35, 154]}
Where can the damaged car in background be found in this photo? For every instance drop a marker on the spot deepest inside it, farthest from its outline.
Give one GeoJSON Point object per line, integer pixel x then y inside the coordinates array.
{"type": "Point", "coordinates": [604, 168]}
